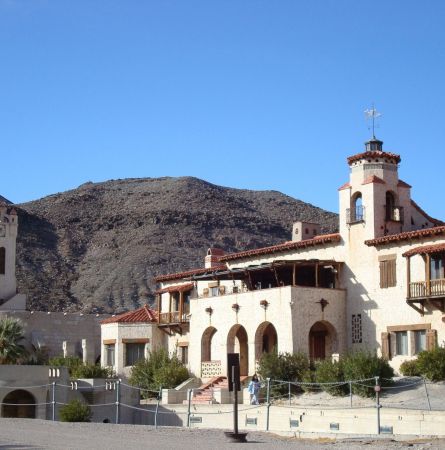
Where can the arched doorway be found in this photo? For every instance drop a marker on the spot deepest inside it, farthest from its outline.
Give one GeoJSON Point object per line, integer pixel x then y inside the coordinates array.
{"type": "Point", "coordinates": [322, 340]}
{"type": "Point", "coordinates": [266, 339]}
{"type": "Point", "coordinates": [237, 342]}
{"type": "Point", "coordinates": [22, 404]}
{"type": "Point", "coordinates": [206, 344]}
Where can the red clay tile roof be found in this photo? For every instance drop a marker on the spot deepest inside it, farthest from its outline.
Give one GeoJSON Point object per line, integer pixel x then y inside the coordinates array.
{"type": "Point", "coordinates": [181, 288]}
{"type": "Point", "coordinates": [141, 315]}
{"type": "Point", "coordinates": [344, 186]}
{"type": "Point", "coordinates": [436, 222]}
{"type": "Point", "coordinates": [189, 273]}
{"type": "Point", "coordinates": [425, 249]}
{"type": "Point", "coordinates": [374, 154]}
{"type": "Point", "coordinates": [373, 179]}
{"type": "Point", "coordinates": [407, 235]}
{"type": "Point", "coordinates": [286, 246]}
{"type": "Point", "coordinates": [401, 183]}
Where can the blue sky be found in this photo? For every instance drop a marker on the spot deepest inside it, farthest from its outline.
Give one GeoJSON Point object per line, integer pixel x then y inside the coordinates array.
{"type": "Point", "coordinates": [242, 93]}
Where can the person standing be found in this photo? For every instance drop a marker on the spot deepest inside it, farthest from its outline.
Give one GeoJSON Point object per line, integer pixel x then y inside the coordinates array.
{"type": "Point", "coordinates": [253, 388]}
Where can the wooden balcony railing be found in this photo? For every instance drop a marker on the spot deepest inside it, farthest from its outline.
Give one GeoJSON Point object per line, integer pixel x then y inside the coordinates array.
{"type": "Point", "coordinates": [173, 317]}
{"type": "Point", "coordinates": [423, 289]}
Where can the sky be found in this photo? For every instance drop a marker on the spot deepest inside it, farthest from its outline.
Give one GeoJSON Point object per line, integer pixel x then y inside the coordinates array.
{"type": "Point", "coordinates": [252, 94]}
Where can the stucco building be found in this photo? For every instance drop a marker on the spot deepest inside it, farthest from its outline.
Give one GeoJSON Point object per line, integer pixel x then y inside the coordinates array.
{"type": "Point", "coordinates": [378, 283]}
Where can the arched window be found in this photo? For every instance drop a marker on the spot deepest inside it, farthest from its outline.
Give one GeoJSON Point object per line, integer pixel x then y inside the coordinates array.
{"type": "Point", "coordinates": [390, 206]}
{"type": "Point", "coordinates": [356, 211]}
{"type": "Point", "coordinates": [2, 260]}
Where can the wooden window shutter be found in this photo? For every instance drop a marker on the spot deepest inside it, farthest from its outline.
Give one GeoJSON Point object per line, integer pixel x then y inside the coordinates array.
{"type": "Point", "coordinates": [205, 292]}
{"type": "Point", "coordinates": [388, 273]}
{"type": "Point", "coordinates": [392, 345]}
{"type": "Point", "coordinates": [430, 339]}
{"type": "Point", "coordinates": [385, 345]}
{"type": "Point", "coordinates": [412, 342]}
{"type": "Point", "coordinates": [222, 290]}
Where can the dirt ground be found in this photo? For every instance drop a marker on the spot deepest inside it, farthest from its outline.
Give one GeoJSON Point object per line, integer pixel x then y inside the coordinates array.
{"type": "Point", "coordinates": [18, 434]}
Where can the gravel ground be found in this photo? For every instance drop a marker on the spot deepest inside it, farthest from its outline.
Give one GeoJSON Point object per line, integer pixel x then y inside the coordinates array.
{"type": "Point", "coordinates": [28, 434]}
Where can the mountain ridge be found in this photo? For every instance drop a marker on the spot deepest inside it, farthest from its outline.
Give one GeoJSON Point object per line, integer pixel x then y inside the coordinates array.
{"type": "Point", "coordinates": [97, 248]}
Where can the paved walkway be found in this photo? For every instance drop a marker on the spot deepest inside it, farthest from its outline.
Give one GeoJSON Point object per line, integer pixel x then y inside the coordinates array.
{"type": "Point", "coordinates": [27, 434]}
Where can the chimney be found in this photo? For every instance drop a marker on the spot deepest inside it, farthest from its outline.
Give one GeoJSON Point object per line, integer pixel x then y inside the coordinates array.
{"type": "Point", "coordinates": [212, 257]}
{"type": "Point", "coordinates": [304, 230]}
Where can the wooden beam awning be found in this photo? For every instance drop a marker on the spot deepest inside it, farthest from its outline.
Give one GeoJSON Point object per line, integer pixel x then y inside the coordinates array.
{"type": "Point", "coordinates": [425, 250]}
{"type": "Point", "coordinates": [180, 288]}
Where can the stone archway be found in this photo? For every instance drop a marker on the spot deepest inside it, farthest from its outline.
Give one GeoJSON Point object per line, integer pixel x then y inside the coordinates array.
{"type": "Point", "coordinates": [206, 344]}
{"type": "Point", "coordinates": [19, 403]}
{"type": "Point", "coordinates": [322, 340]}
{"type": "Point", "coordinates": [266, 339]}
{"type": "Point", "coordinates": [237, 342]}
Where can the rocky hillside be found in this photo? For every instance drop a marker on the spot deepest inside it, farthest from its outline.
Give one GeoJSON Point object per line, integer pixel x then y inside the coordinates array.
{"type": "Point", "coordinates": [98, 247]}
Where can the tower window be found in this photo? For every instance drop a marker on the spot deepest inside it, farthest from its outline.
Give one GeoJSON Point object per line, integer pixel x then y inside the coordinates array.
{"type": "Point", "coordinates": [2, 260]}
{"type": "Point", "coordinates": [356, 213]}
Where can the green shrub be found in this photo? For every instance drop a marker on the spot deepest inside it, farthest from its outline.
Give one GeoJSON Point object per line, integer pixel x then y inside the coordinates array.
{"type": "Point", "coordinates": [91, 371]}
{"type": "Point", "coordinates": [283, 367]}
{"type": "Point", "coordinates": [159, 369]}
{"type": "Point", "coordinates": [327, 371]}
{"type": "Point", "coordinates": [362, 365]}
{"type": "Point", "coordinates": [75, 411]}
{"type": "Point", "coordinates": [70, 362]}
{"type": "Point", "coordinates": [431, 364]}
{"type": "Point", "coordinates": [410, 368]}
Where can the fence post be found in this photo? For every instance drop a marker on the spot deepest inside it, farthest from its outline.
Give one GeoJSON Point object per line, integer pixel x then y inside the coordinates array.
{"type": "Point", "coordinates": [157, 406]}
{"type": "Point", "coordinates": [118, 399]}
{"type": "Point", "coordinates": [268, 403]}
{"type": "Point", "coordinates": [350, 394]}
{"type": "Point", "coordinates": [377, 402]}
{"type": "Point", "coordinates": [290, 401]}
{"type": "Point", "coordinates": [427, 395]}
{"type": "Point", "coordinates": [54, 400]}
{"type": "Point", "coordinates": [189, 402]}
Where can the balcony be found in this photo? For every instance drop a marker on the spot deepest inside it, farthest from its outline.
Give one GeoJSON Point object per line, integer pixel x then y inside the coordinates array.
{"type": "Point", "coordinates": [355, 215]}
{"type": "Point", "coordinates": [173, 322]}
{"type": "Point", "coordinates": [432, 292]}
{"type": "Point", "coordinates": [426, 289]}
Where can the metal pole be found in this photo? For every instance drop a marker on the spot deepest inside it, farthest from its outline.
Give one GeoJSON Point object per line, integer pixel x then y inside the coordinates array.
{"type": "Point", "coordinates": [235, 377]}
{"type": "Point", "coordinates": [377, 402]}
{"type": "Point", "coordinates": [427, 395]}
{"type": "Point", "coordinates": [54, 400]}
{"type": "Point", "coordinates": [189, 398]}
{"type": "Point", "coordinates": [118, 399]}
{"type": "Point", "coordinates": [350, 394]}
{"type": "Point", "coordinates": [267, 403]}
{"type": "Point", "coordinates": [157, 406]}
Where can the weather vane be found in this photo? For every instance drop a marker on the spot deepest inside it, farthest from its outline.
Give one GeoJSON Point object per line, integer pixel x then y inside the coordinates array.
{"type": "Point", "coordinates": [372, 114]}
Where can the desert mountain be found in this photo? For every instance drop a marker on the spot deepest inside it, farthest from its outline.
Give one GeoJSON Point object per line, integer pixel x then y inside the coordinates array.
{"type": "Point", "coordinates": [97, 248]}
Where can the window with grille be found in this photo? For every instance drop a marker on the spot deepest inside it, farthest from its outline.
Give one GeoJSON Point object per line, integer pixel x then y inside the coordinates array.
{"type": "Point", "coordinates": [109, 354]}
{"type": "Point", "coordinates": [356, 328]}
{"type": "Point", "coordinates": [387, 272]}
{"type": "Point", "coordinates": [184, 355]}
{"type": "Point", "coordinates": [419, 341]}
{"type": "Point", "coordinates": [401, 343]}
{"type": "Point", "coordinates": [133, 353]}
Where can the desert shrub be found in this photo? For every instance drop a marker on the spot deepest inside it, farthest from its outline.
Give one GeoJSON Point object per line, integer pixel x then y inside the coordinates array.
{"type": "Point", "coordinates": [91, 371]}
{"type": "Point", "coordinates": [283, 367]}
{"type": "Point", "coordinates": [70, 362]}
{"type": "Point", "coordinates": [327, 371]}
{"type": "Point", "coordinates": [160, 369]}
{"type": "Point", "coordinates": [431, 364]}
{"type": "Point", "coordinates": [362, 365]}
{"type": "Point", "coordinates": [75, 411]}
{"type": "Point", "coordinates": [410, 368]}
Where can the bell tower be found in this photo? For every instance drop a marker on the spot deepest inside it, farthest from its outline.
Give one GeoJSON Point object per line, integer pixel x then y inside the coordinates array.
{"type": "Point", "coordinates": [8, 236]}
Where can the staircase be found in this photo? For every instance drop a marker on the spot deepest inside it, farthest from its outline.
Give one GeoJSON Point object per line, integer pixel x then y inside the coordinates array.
{"type": "Point", "coordinates": [204, 394]}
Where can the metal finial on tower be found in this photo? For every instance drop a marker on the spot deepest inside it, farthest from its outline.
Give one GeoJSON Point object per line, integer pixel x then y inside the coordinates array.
{"type": "Point", "coordinates": [372, 114]}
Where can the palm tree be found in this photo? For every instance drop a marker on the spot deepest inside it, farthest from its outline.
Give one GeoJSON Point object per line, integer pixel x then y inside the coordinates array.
{"type": "Point", "coordinates": [11, 333]}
